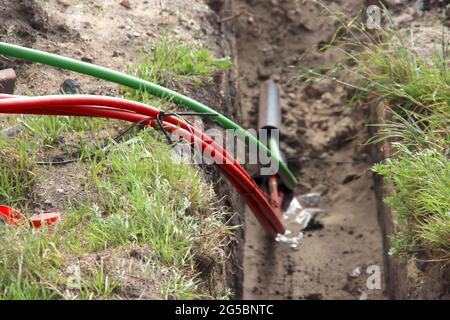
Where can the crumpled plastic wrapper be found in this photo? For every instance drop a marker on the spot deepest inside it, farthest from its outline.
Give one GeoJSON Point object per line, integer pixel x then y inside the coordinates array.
{"type": "Point", "coordinates": [301, 210]}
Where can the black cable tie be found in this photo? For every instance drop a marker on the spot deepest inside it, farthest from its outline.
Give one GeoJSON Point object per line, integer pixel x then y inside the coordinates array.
{"type": "Point", "coordinates": [134, 125]}
{"type": "Point", "coordinates": [160, 115]}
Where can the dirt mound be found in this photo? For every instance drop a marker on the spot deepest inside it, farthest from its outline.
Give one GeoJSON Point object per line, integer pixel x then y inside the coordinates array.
{"type": "Point", "coordinates": [21, 21]}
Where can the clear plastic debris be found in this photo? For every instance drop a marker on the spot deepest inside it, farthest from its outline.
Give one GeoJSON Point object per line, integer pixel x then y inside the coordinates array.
{"type": "Point", "coordinates": [363, 296]}
{"type": "Point", "coordinates": [297, 217]}
{"type": "Point", "coordinates": [292, 241]}
{"type": "Point", "coordinates": [311, 199]}
{"type": "Point", "coordinates": [305, 216]}
{"type": "Point", "coordinates": [356, 272]}
{"type": "Point", "coordinates": [294, 208]}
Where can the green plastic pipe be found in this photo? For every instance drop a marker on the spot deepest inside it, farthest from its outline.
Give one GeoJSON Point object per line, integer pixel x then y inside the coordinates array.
{"type": "Point", "coordinates": [274, 147]}
{"type": "Point", "coordinates": [139, 84]}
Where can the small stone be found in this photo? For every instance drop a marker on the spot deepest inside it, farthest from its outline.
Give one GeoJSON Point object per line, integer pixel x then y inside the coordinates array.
{"type": "Point", "coordinates": [7, 81]}
{"type": "Point", "coordinates": [60, 190]}
{"type": "Point", "coordinates": [88, 59]}
{"type": "Point", "coordinates": [125, 4]}
{"type": "Point", "coordinates": [349, 177]}
{"type": "Point", "coordinates": [264, 73]}
{"type": "Point", "coordinates": [66, 3]}
{"type": "Point", "coordinates": [70, 86]}
{"type": "Point", "coordinates": [11, 131]}
{"type": "Point", "coordinates": [356, 272]}
{"type": "Point", "coordinates": [423, 5]}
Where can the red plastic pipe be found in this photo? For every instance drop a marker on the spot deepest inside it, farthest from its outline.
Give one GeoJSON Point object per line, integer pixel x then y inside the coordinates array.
{"type": "Point", "coordinates": [87, 111]}
{"type": "Point", "coordinates": [135, 111]}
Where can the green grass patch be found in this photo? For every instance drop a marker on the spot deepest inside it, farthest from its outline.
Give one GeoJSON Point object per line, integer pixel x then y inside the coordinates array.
{"type": "Point", "coordinates": [17, 162]}
{"type": "Point", "coordinates": [173, 63]}
{"type": "Point", "coordinates": [159, 193]}
{"type": "Point", "coordinates": [145, 200]}
{"type": "Point", "coordinates": [170, 56]}
{"type": "Point", "coordinates": [47, 129]}
{"type": "Point", "coordinates": [386, 64]}
{"type": "Point", "coordinates": [421, 199]}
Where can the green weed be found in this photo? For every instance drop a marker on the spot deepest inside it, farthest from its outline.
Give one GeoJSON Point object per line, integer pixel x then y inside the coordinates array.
{"type": "Point", "coordinates": [16, 171]}
{"type": "Point", "coordinates": [171, 56]}
{"type": "Point", "coordinates": [421, 199]}
{"type": "Point", "coordinates": [48, 129]}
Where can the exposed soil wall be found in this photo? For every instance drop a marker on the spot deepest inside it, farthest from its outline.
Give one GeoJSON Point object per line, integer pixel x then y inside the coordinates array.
{"type": "Point", "coordinates": [231, 107]}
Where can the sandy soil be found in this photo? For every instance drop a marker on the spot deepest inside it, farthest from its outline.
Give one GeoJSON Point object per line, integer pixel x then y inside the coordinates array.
{"type": "Point", "coordinates": [102, 32]}
{"type": "Point", "coordinates": [319, 132]}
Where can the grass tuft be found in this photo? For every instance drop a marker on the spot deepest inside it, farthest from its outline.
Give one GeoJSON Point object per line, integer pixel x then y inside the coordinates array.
{"type": "Point", "coordinates": [48, 129]}
{"type": "Point", "coordinates": [145, 200]}
{"type": "Point", "coordinates": [171, 56]}
{"type": "Point", "coordinates": [16, 171]}
{"type": "Point", "coordinates": [173, 63]}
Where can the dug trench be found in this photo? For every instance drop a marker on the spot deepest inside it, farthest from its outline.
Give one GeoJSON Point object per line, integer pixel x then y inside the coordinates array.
{"type": "Point", "coordinates": [323, 140]}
